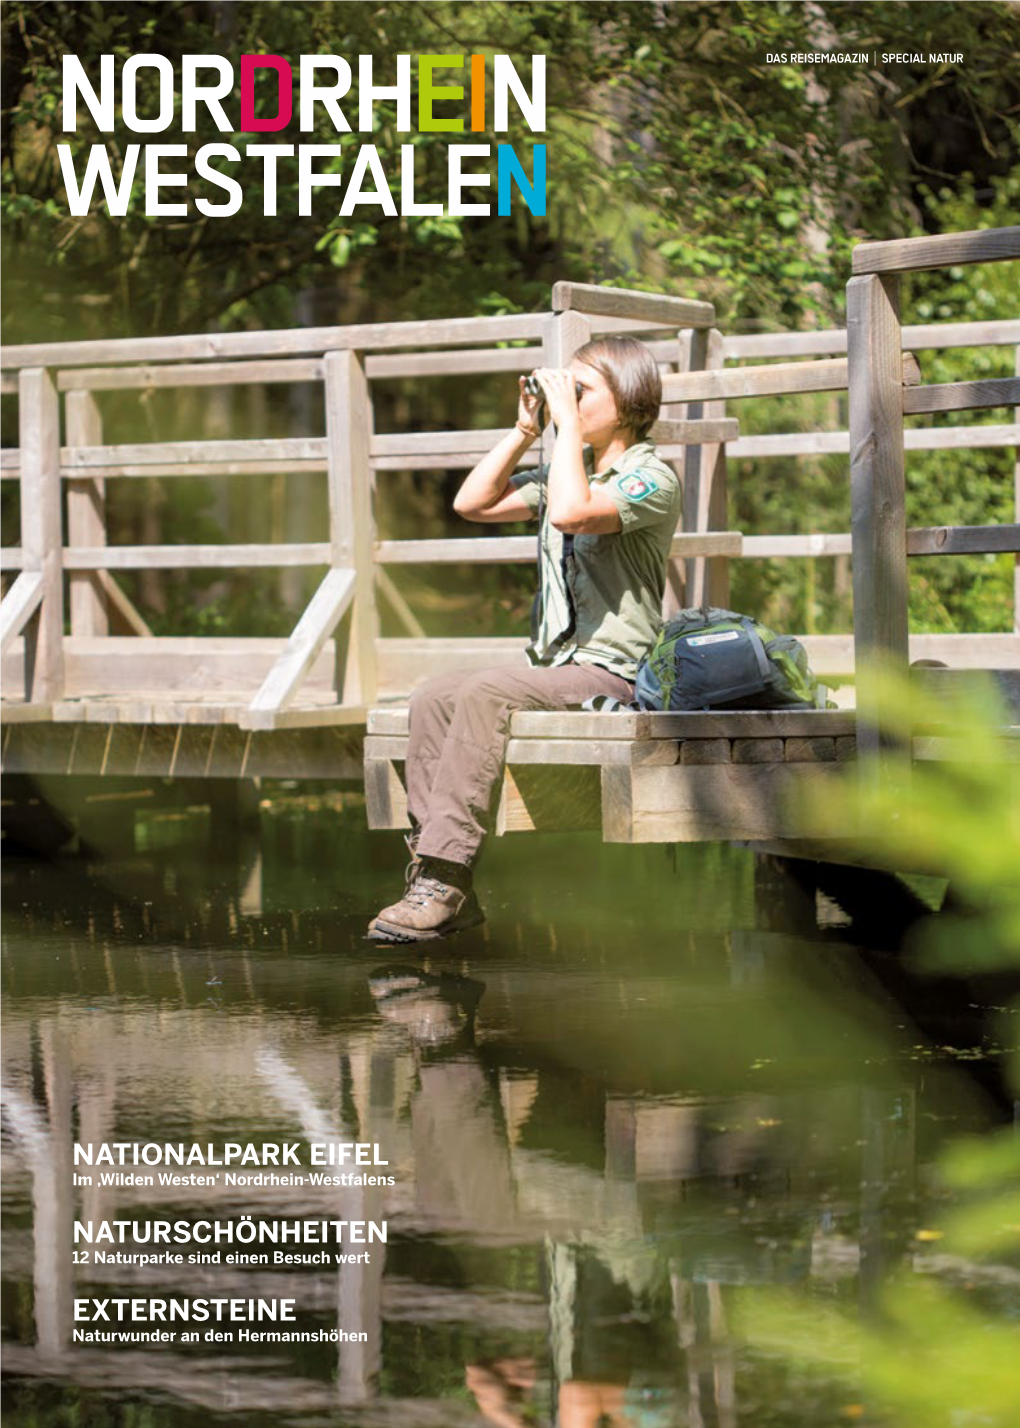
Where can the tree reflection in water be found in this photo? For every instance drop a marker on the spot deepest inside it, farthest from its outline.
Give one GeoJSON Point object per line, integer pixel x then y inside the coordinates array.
{"type": "Point", "coordinates": [598, 1148]}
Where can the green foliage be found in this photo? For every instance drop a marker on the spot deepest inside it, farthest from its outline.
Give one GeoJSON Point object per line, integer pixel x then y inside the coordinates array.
{"type": "Point", "coordinates": [939, 1349]}
{"type": "Point", "coordinates": [957, 813]}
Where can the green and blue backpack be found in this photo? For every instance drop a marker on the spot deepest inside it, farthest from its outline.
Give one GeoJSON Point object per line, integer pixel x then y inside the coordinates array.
{"type": "Point", "coordinates": [717, 659]}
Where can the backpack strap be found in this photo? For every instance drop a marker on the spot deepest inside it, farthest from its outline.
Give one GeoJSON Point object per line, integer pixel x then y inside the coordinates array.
{"type": "Point", "coordinates": [764, 667]}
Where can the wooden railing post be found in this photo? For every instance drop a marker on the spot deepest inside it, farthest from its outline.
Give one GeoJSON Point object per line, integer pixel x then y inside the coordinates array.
{"type": "Point", "coordinates": [878, 489]}
{"type": "Point", "coordinates": [86, 516]}
{"type": "Point", "coordinates": [352, 524]}
{"type": "Point", "coordinates": [39, 439]}
{"type": "Point", "coordinates": [1016, 507]}
{"type": "Point", "coordinates": [706, 582]}
{"type": "Point", "coordinates": [562, 335]}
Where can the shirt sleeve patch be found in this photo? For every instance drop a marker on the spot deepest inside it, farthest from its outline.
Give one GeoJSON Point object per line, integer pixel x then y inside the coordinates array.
{"type": "Point", "coordinates": [636, 486]}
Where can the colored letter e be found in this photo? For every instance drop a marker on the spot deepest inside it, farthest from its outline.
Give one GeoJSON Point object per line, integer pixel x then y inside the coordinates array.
{"type": "Point", "coordinates": [285, 79]}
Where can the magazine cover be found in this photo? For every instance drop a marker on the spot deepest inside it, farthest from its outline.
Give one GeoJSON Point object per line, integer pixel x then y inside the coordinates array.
{"type": "Point", "coordinates": [492, 934]}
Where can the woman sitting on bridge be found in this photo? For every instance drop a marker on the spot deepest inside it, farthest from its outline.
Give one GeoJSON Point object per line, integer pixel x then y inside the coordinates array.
{"type": "Point", "coordinates": [607, 509]}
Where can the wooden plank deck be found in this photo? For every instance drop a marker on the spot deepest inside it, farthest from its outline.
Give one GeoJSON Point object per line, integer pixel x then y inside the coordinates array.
{"type": "Point", "coordinates": [655, 777]}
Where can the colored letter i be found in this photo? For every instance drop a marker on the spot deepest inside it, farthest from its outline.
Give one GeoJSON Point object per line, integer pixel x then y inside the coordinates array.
{"type": "Point", "coordinates": [478, 93]}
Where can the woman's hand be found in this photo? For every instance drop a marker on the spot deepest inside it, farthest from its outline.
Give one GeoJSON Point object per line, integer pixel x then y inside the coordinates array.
{"type": "Point", "coordinates": [561, 394]}
{"type": "Point", "coordinates": [529, 411]}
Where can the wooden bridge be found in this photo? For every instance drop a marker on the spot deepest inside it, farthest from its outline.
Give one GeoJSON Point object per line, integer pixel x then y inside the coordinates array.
{"type": "Point", "coordinates": [81, 697]}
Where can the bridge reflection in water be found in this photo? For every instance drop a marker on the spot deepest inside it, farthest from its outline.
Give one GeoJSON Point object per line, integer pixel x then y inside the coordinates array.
{"type": "Point", "coordinates": [601, 1138]}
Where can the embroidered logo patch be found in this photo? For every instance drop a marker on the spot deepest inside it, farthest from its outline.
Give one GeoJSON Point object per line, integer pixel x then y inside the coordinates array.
{"type": "Point", "coordinates": [635, 486]}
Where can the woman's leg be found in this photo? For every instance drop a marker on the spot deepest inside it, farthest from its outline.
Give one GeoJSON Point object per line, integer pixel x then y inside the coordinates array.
{"type": "Point", "coordinates": [470, 767]}
{"type": "Point", "coordinates": [455, 791]}
{"type": "Point", "coordinates": [430, 715]}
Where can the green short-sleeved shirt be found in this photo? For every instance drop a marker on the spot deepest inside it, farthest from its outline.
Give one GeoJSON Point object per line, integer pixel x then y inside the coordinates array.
{"type": "Point", "coordinates": [603, 593]}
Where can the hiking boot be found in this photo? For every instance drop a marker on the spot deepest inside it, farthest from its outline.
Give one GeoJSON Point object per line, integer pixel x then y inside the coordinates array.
{"type": "Point", "coordinates": [429, 909]}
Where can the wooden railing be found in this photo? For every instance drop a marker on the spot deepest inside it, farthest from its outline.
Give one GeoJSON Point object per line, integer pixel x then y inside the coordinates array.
{"type": "Point", "coordinates": [336, 684]}
{"type": "Point", "coordinates": [878, 404]}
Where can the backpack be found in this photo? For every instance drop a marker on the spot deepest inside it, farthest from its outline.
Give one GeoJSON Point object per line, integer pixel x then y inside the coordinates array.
{"type": "Point", "coordinates": [718, 659]}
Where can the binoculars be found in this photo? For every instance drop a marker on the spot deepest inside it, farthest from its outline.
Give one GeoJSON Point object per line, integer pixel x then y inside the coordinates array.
{"type": "Point", "coordinates": [533, 387]}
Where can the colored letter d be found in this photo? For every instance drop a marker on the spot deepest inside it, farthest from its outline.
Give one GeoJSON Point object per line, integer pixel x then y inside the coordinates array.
{"type": "Point", "coordinates": [285, 79]}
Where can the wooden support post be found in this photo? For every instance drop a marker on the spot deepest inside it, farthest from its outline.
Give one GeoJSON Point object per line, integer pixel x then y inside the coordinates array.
{"type": "Point", "coordinates": [1016, 502]}
{"type": "Point", "coordinates": [784, 895]}
{"type": "Point", "coordinates": [707, 582]}
{"type": "Point", "coordinates": [878, 493]}
{"type": "Point", "coordinates": [86, 517]}
{"type": "Point", "coordinates": [562, 336]}
{"type": "Point", "coordinates": [352, 527]}
{"type": "Point", "coordinates": [673, 595]}
{"type": "Point", "coordinates": [41, 531]}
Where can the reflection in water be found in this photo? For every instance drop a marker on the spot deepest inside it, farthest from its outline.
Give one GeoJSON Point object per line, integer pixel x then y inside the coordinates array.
{"type": "Point", "coordinates": [601, 1132]}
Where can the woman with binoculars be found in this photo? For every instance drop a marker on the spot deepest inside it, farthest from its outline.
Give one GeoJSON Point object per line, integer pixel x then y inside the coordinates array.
{"type": "Point", "coordinates": [607, 508]}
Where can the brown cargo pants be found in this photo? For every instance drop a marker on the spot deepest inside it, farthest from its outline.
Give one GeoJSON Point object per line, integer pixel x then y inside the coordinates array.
{"type": "Point", "coordinates": [458, 733]}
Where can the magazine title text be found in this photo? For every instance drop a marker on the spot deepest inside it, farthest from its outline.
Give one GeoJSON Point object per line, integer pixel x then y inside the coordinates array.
{"type": "Point", "coordinates": [436, 94]}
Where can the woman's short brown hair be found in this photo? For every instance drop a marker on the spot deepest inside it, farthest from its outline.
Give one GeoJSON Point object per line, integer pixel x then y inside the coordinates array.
{"type": "Point", "coordinates": [632, 377]}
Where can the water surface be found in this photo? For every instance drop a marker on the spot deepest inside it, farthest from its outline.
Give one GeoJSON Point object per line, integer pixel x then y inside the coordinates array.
{"type": "Point", "coordinates": [610, 1115]}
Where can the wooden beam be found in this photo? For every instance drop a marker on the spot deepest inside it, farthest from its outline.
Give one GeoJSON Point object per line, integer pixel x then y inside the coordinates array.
{"type": "Point", "coordinates": [193, 454]}
{"type": "Point", "coordinates": [388, 590]}
{"type": "Point", "coordinates": [19, 605]}
{"type": "Point", "coordinates": [734, 383]}
{"type": "Point", "coordinates": [562, 726]}
{"type": "Point", "coordinates": [213, 467]}
{"type": "Point", "coordinates": [657, 309]}
{"type": "Point", "coordinates": [41, 530]}
{"type": "Point", "coordinates": [519, 550]}
{"type": "Point", "coordinates": [289, 342]}
{"type": "Point", "coordinates": [189, 374]}
{"type": "Point", "coordinates": [784, 547]}
{"type": "Point", "coordinates": [405, 663]}
{"type": "Point", "coordinates": [385, 794]}
{"type": "Point", "coordinates": [705, 499]}
{"type": "Point", "coordinates": [318, 622]}
{"type": "Point", "coordinates": [697, 431]}
{"type": "Point", "coordinates": [310, 716]}
{"type": "Point", "coordinates": [962, 396]}
{"type": "Point", "coordinates": [688, 803]}
{"type": "Point", "coordinates": [434, 443]}
{"type": "Point", "coordinates": [921, 540]}
{"type": "Point", "coordinates": [117, 601]}
{"type": "Point", "coordinates": [86, 515]}
{"type": "Point", "coordinates": [946, 250]}
{"type": "Point", "coordinates": [12, 557]}
{"type": "Point", "coordinates": [917, 337]}
{"type": "Point", "coordinates": [442, 461]}
{"type": "Point", "coordinates": [964, 540]}
{"type": "Point", "coordinates": [443, 443]}
{"type": "Point", "coordinates": [219, 751]}
{"type": "Point", "coordinates": [877, 480]}
{"type": "Point", "coordinates": [458, 362]}
{"type": "Point", "coordinates": [189, 666]}
{"type": "Point", "coordinates": [198, 557]}
{"type": "Point", "coordinates": [837, 443]}
{"type": "Point", "coordinates": [351, 521]}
